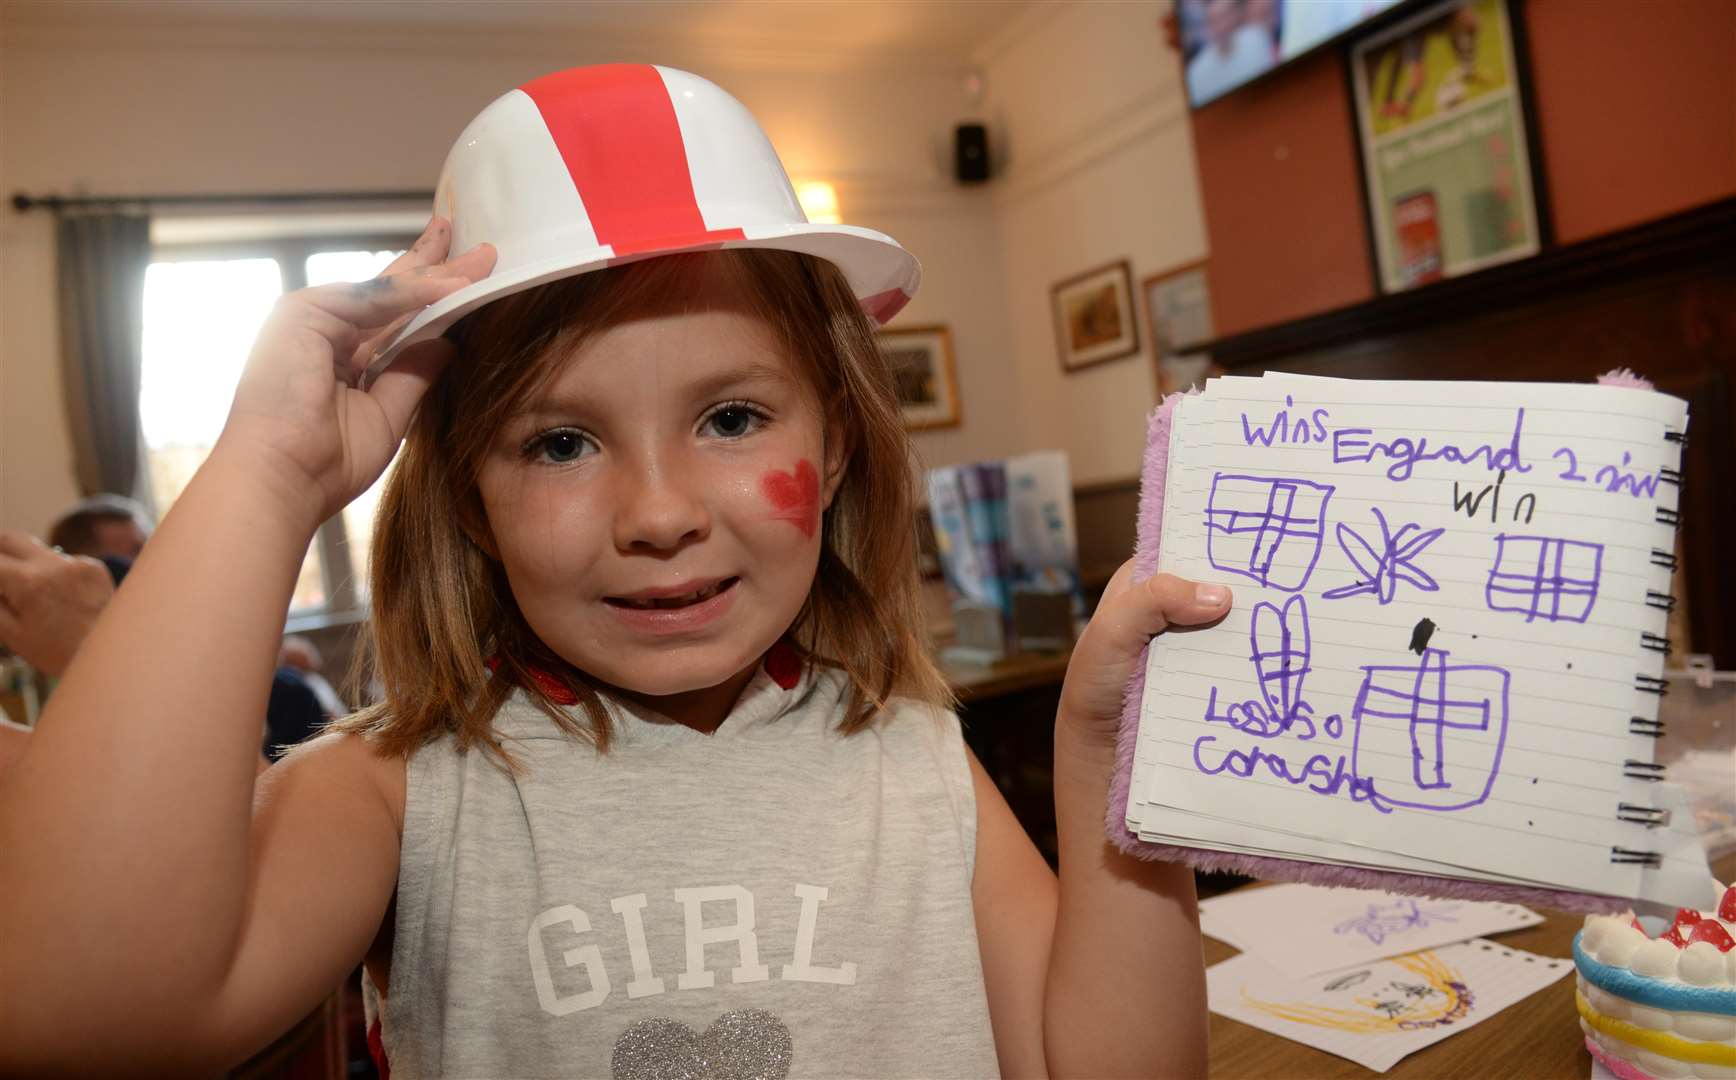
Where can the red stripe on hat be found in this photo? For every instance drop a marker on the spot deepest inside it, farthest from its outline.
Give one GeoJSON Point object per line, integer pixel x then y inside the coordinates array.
{"type": "Point", "coordinates": [615, 128]}
{"type": "Point", "coordinates": [882, 306]}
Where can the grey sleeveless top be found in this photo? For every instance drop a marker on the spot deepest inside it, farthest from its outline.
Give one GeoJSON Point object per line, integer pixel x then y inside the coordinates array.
{"type": "Point", "coordinates": [772, 900]}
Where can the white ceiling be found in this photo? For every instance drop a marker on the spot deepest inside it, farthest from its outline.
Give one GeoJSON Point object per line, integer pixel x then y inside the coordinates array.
{"type": "Point", "coordinates": [932, 29]}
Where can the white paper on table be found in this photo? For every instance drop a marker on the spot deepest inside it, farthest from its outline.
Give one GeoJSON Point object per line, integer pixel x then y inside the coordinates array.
{"type": "Point", "coordinates": [1377, 1014]}
{"type": "Point", "coordinates": [1304, 929]}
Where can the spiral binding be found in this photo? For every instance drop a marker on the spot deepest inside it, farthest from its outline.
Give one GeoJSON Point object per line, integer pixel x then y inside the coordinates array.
{"type": "Point", "coordinates": [1652, 729]}
{"type": "Point", "coordinates": [1637, 858]}
{"type": "Point", "coordinates": [1650, 816]}
{"type": "Point", "coordinates": [1649, 771]}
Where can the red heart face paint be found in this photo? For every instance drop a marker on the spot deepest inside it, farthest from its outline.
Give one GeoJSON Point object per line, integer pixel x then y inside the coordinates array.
{"type": "Point", "coordinates": [796, 498]}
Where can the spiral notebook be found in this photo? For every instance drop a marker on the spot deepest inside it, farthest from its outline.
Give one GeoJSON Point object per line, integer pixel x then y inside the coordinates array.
{"type": "Point", "coordinates": [1443, 666]}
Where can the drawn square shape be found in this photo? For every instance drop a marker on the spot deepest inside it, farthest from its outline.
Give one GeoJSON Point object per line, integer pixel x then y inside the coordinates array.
{"type": "Point", "coordinates": [1266, 528]}
{"type": "Point", "coordinates": [1544, 577]}
{"type": "Point", "coordinates": [1430, 736]}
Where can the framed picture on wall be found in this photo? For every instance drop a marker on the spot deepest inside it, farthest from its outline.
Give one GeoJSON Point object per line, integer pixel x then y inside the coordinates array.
{"type": "Point", "coordinates": [1178, 309]}
{"type": "Point", "coordinates": [1094, 319]}
{"type": "Point", "coordinates": [1446, 144]}
{"type": "Point", "coordinates": [924, 375]}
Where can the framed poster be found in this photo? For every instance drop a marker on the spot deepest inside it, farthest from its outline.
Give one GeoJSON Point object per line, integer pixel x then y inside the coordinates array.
{"type": "Point", "coordinates": [1093, 315]}
{"type": "Point", "coordinates": [923, 374]}
{"type": "Point", "coordinates": [1178, 309]}
{"type": "Point", "coordinates": [1446, 150]}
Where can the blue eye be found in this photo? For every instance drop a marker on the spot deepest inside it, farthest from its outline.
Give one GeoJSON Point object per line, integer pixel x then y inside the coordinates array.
{"type": "Point", "coordinates": [557, 447]}
{"type": "Point", "coordinates": [735, 420]}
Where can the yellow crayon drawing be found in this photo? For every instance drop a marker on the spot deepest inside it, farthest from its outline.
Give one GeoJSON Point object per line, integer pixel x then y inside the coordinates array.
{"type": "Point", "coordinates": [1441, 998]}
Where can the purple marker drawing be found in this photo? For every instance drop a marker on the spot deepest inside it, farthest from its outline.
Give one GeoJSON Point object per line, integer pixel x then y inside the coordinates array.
{"type": "Point", "coordinates": [1382, 921]}
{"type": "Point", "coordinates": [1278, 644]}
{"type": "Point", "coordinates": [1380, 570]}
{"type": "Point", "coordinates": [1456, 715]}
{"type": "Point", "coordinates": [1280, 649]}
{"type": "Point", "coordinates": [1532, 575]}
{"type": "Point", "coordinates": [1250, 519]}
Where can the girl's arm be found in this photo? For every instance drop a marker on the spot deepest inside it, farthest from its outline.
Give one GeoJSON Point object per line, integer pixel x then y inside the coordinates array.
{"type": "Point", "coordinates": [1100, 974]}
{"type": "Point", "coordinates": [150, 911]}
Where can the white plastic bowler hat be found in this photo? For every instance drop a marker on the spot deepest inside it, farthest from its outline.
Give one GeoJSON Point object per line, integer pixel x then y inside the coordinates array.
{"type": "Point", "coordinates": [599, 166]}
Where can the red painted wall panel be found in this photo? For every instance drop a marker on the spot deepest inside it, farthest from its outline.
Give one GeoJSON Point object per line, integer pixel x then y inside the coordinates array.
{"type": "Point", "coordinates": [1636, 114]}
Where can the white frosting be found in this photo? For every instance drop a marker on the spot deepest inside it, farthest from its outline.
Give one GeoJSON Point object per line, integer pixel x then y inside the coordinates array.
{"type": "Point", "coordinates": [1662, 1068]}
{"type": "Point", "coordinates": [1656, 959]}
{"type": "Point", "coordinates": [1613, 940]}
{"type": "Point", "coordinates": [1696, 1026]}
{"type": "Point", "coordinates": [1620, 945]}
{"type": "Point", "coordinates": [1702, 964]}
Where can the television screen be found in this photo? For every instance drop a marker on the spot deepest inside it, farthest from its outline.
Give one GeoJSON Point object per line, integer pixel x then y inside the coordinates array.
{"type": "Point", "coordinates": [1226, 43]}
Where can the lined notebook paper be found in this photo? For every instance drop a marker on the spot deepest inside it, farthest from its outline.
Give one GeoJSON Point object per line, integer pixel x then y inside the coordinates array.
{"type": "Point", "coordinates": [1302, 930]}
{"type": "Point", "coordinates": [1377, 1013]}
{"type": "Point", "coordinates": [1447, 643]}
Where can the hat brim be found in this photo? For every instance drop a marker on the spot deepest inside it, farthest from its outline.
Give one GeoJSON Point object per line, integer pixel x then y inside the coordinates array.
{"type": "Point", "coordinates": [882, 274]}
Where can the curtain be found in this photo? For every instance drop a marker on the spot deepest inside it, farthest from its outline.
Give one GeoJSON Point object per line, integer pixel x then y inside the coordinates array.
{"type": "Point", "coordinates": [103, 258]}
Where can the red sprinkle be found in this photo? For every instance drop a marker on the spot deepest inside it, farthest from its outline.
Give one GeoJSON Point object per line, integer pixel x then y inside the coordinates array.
{"type": "Point", "coordinates": [1712, 931]}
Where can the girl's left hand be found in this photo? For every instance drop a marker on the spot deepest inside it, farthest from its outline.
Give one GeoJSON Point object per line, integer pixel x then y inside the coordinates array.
{"type": "Point", "coordinates": [1127, 617]}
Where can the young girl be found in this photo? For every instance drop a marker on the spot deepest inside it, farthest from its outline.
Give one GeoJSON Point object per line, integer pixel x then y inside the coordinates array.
{"type": "Point", "coordinates": [664, 783]}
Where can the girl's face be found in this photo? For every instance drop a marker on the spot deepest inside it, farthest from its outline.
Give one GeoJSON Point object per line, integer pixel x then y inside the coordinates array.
{"type": "Point", "coordinates": [657, 507]}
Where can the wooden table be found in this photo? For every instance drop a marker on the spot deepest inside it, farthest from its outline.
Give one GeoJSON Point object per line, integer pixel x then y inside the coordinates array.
{"type": "Point", "coordinates": [1020, 671]}
{"type": "Point", "coordinates": [1537, 1038]}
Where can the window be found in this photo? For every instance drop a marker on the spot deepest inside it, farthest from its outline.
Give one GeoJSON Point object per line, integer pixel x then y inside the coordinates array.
{"type": "Point", "coordinates": [204, 305]}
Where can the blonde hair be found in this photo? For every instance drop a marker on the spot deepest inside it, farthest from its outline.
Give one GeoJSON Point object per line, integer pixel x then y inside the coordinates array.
{"type": "Point", "coordinates": [448, 641]}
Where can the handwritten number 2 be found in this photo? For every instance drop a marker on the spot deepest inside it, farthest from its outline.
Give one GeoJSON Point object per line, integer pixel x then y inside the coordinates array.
{"type": "Point", "coordinates": [1572, 472]}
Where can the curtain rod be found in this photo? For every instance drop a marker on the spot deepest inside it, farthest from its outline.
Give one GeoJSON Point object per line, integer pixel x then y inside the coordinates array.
{"type": "Point", "coordinates": [57, 203]}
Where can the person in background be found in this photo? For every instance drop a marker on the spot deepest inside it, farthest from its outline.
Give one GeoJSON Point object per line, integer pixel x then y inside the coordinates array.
{"type": "Point", "coordinates": [50, 599]}
{"type": "Point", "coordinates": [102, 525]}
{"type": "Point", "coordinates": [1235, 51]}
{"type": "Point", "coordinates": [303, 657]}
{"type": "Point", "coordinates": [48, 602]}
{"type": "Point", "coordinates": [293, 713]}
{"type": "Point", "coordinates": [1266, 15]}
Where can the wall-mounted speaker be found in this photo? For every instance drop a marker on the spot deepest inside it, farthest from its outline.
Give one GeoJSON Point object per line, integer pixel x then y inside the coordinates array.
{"type": "Point", "coordinates": [971, 154]}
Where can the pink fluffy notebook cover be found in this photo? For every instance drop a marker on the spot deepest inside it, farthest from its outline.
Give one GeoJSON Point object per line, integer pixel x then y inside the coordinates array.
{"type": "Point", "coordinates": [1259, 866]}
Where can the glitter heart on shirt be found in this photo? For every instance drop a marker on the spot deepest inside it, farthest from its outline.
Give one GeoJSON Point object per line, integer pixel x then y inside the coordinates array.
{"type": "Point", "coordinates": [796, 497]}
{"type": "Point", "coordinates": [747, 1044]}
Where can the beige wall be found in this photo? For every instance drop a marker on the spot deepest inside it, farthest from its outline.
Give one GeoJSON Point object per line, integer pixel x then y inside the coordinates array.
{"type": "Point", "coordinates": [1082, 98]}
{"type": "Point", "coordinates": [1086, 103]}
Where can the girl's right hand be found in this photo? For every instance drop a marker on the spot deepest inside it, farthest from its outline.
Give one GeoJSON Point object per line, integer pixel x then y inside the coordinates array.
{"type": "Point", "coordinates": [300, 414]}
